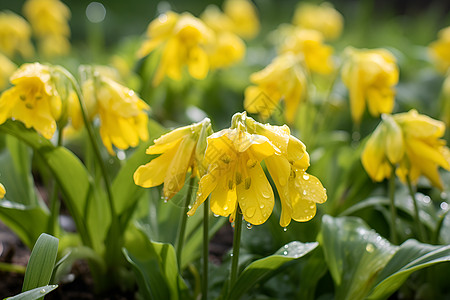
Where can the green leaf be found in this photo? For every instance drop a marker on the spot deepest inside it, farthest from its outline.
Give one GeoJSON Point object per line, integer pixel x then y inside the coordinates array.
{"type": "Point", "coordinates": [34, 294]}
{"type": "Point", "coordinates": [355, 255]}
{"type": "Point", "coordinates": [411, 256]}
{"type": "Point", "coordinates": [41, 263]}
{"type": "Point", "coordinates": [267, 266]}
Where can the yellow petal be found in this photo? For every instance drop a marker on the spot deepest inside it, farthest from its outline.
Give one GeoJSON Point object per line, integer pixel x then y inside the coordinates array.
{"type": "Point", "coordinates": [198, 64]}
{"type": "Point", "coordinates": [2, 191]}
{"type": "Point", "coordinates": [206, 185]}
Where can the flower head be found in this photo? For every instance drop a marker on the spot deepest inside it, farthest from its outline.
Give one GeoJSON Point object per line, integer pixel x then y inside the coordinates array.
{"type": "Point", "coordinates": [235, 178]}
{"type": "Point", "coordinates": [47, 17]}
{"type": "Point", "coordinates": [243, 16]}
{"type": "Point", "coordinates": [182, 40]}
{"type": "Point", "coordinates": [15, 34]}
{"type": "Point", "coordinates": [323, 18]}
{"type": "Point", "coordinates": [32, 100]}
{"type": "Point", "coordinates": [122, 114]}
{"type": "Point", "coordinates": [179, 151]}
{"type": "Point", "coordinates": [284, 78]}
{"type": "Point", "coordinates": [309, 44]}
{"type": "Point", "coordinates": [411, 143]}
{"type": "Point", "coordinates": [440, 50]}
{"type": "Point", "coordinates": [370, 75]}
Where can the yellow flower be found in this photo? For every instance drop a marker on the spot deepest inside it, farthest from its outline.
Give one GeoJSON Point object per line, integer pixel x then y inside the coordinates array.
{"type": "Point", "coordinates": [2, 191]}
{"type": "Point", "coordinates": [178, 150]}
{"type": "Point", "coordinates": [370, 75]}
{"type": "Point", "coordinates": [243, 16]}
{"type": "Point", "coordinates": [54, 45]}
{"type": "Point", "coordinates": [440, 50]}
{"type": "Point", "coordinates": [323, 18]}
{"type": "Point", "coordinates": [299, 191]}
{"type": "Point", "coordinates": [235, 177]}
{"type": "Point", "coordinates": [123, 117]}
{"type": "Point", "coordinates": [284, 78]}
{"type": "Point", "coordinates": [32, 100]}
{"type": "Point", "coordinates": [410, 142]}
{"type": "Point", "coordinates": [47, 17]}
{"type": "Point", "coordinates": [309, 43]}
{"type": "Point", "coordinates": [182, 40]}
{"type": "Point", "coordinates": [15, 34]}
{"type": "Point", "coordinates": [6, 70]}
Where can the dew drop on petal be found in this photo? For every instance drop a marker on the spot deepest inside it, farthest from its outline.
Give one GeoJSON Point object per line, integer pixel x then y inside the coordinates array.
{"type": "Point", "coordinates": [216, 215]}
{"type": "Point", "coordinates": [304, 193]}
{"type": "Point", "coordinates": [250, 212]}
{"type": "Point", "coordinates": [266, 194]}
{"type": "Point", "coordinates": [249, 226]}
{"type": "Point", "coordinates": [225, 207]}
{"type": "Point", "coordinates": [305, 176]}
{"type": "Point", "coordinates": [261, 206]}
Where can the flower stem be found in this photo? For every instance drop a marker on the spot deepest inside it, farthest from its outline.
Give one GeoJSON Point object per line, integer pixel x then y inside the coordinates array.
{"type": "Point", "coordinates": [419, 226]}
{"type": "Point", "coordinates": [55, 204]}
{"type": "Point", "coordinates": [236, 248]}
{"type": "Point", "coordinates": [393, 209]}
{"type": "Point", "coordinates": [182, 227]}
{"type": "Point", "coordinates": [205, 248]}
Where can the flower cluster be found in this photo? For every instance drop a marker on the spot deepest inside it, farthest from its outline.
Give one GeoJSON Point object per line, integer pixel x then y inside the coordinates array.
{"type": "Point", "coordinates": [15, 35]}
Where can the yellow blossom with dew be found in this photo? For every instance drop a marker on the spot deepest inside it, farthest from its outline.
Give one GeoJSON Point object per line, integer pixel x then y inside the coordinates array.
{"type": "Point", "coordinates": [32, 100]}
{"type": "Point", "coordinates": [122, 114]}
{"type": "Point", "coordinates": [2, 191]}
{"type": "Point", "coordinates": [284, 78]}
{"type": "Point", "coordinates": [370, 76]}
{"type": "Point", "coordinates": [412, 143]}
{"type": "Point", "coordinates": [440, 50]}
{"type": "Point", "coordinates": [235, 178]}
{"type": "Point", "coordinates": [15, 35]}
{"type": "Point", "coordinates": [323, 18]}
{"type": "Point", "coordinates": [243, 16]}
{"type": "Point", "coordinates": [182, 40]}
{"type": "Point", "coordinates": [310, 44]}
{"type": "Point", "coordinates": [179, 149]}
{"type": "Point", "coordinates": [6, 70]}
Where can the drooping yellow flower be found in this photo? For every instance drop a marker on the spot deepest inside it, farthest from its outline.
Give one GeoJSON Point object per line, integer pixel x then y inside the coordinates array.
{"type": "Point", "coordinates": [122, 114]}
{"type": "Point", "coordinates": [243, 16]}
{"type": "Point", "coordinates": [284, 78]}
{"type": "Point", "coordinates": [323, 18]}
{"type": "Point", "coordinates": [182, 40]}
{"type": "Point", "coordinates": [410, 142]}
{"type": "Point", "coordinates": [299, 191]}
{"type": "Point", "coordinates": [228, 47]}
{"type": "Point", "coordinates": [370, 75]}
{"type": "Point", "coordinates": [309, 43]}
{"type": "Point", "coordinates": [15, 34]}
{"type": "Point", "coordinates": [440, 50]}
{"type": "Point", "coordinates": [235, 178]}
{"type": "Point", "coordinates": [2, 191]}
{"type": "Point", "coordinates": [32, 100]}
{"type": "Point", "coordinates": [178, 150]}
{"type": "Point", "coordinates": [6, 70]}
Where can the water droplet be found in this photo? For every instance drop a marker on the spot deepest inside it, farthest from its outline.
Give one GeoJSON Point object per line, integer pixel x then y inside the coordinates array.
{"type": "Point", "coordinates": [266, 194]}
{"type": "Point", "coordinates": [426, 199]}
{"type": "Point", "coordinates": [443, 195]}
{"type": "Point", "coordinates": [305, 176]}
{"type": "Point", "coordinates": [444, 205]}
{"type": "Point", "coordinates": [285, 229]}
{"type": "Point", "coordinates": [286, 246]}
{"type": "Point", "coordinates": [216, 215]}
{"type": "Point", "coordinates": [231, 254]}
{"type": "Point", "coordinates": [261, 206]}
{"type": "Point", "coordinates": [189, 206]}
{"type": "Point", "coordinates": [199, 194]}
{"type": "Point", "coordinates": [225, 207]}
{"type": "Point", "coordinates": [285, 252]}
{"type": "Point", "coordinates": [249, 226]}
{"type": "Point", "coordinates": [250, 212]}
{"type": "Point", "coordinates": [312, 206]}
{"type": "Point", "coordinates": [130, 93]}
{"type": "Point", "coordinates": [304, 193]}
{"type": "Point", "coordinates": [42, 291]}
{"type": "Point", "coordinates": [370, 248]}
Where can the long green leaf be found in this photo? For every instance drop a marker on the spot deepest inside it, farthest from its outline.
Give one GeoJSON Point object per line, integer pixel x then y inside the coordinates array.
{"type": "Point", "coordinates": [265, 267]}
{"type": "Point", "coordinates": [34, 294]}
{"type": "Point", "coordinates": [411, 256]}
{"type": "Point", "coordinates": [355, 255]}
{"type": "Point", "coordinates": [41, 263]}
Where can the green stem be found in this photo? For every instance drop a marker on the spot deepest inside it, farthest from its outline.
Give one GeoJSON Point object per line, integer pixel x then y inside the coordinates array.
{"type": "Point", "coordinates": [55, 204]}
{"type": "Point", "coordinates": [236, 248]}
{"type": "Point", "coordinates": [182, 228]}
{"type": "Point", "coordinates": [393, 209]}
{"type": "Point", "coordinates": [419, 225]}
{"type": "Point", "coordinates": [205, 248]}
{"type": "Point", "coordinates": [437, 231]}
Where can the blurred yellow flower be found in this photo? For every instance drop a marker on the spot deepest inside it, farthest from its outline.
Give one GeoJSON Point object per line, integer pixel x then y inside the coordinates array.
{"type": "Point", "coordinates": [15, 34]}
{"type": "Point", "coordinates": [236, 180]}
{"type": "Point", "coordinates": [309, 43]}
{"type": "Point", "coordinates": [182, 40]}
{"type": "Point", "coordinates": [54, 45]}
{"type": "Point", "coordinates": [32, 100]}
{"type": "Point", "coordinates": [440, 50]}
{"type": "Point", "coordinates": [284, 78]}
{"type": "Point", "coordinates": [2, 191]}
{"type": "Point", "coordinates": [323, 18]}
{"type": "Point", "coordinates": [243, 16]}
{"type": "Point", "coordinates": [123, 116]}
{"type": "Point", "coordinates": [370, 75]}
{"type": "Point", "coordinates": [6, 70]}
{"type": "Point", "coordinates": [299, 191]}
{"type": "Point", "coordinates": [410, 142]}
{"type": "Point", "coordinates": [178, 155]}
